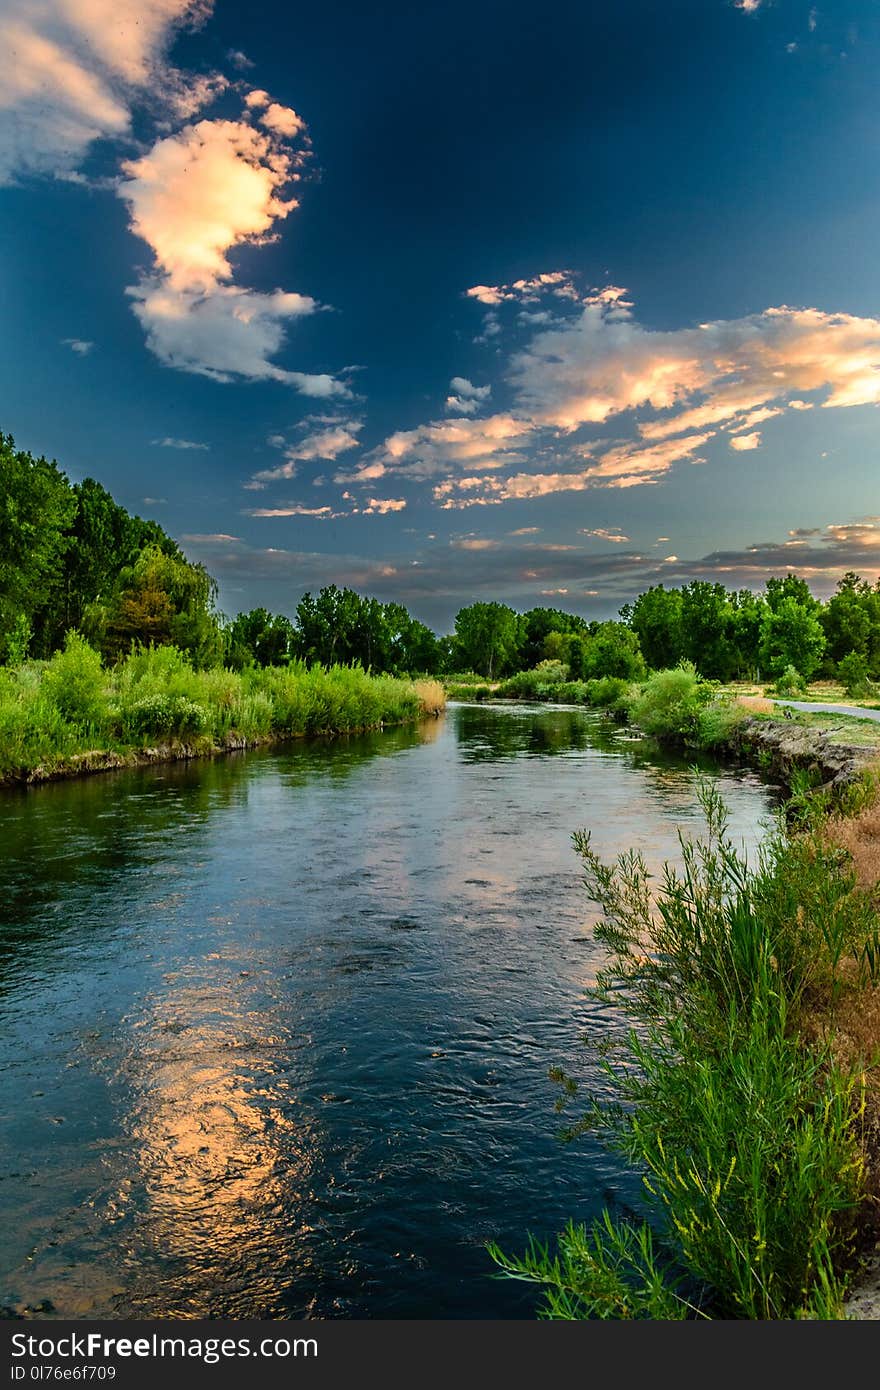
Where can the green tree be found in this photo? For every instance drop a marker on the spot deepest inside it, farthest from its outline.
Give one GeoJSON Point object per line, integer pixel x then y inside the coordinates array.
{"type": "Point", "coordinates": [707, 629]}
{"type": "Point", "coordinates": [258, 638]}
{"type": "Point", "coordinates": [488, 637]}
{"type": "Point", "coordinates": [791, 635]}
{"type": "Point", "coordinates": [851, 621]}
{"type": "Point", "coordinates": [612, 649]}
{"type": "Point", "coordinates": [37, 506]}
{"type": "Point", "coordinates": [655, 617]}
{"type": "Point", "coordinates": [538, 625]}
{"type": "Point", "coordinates": [159, 599]}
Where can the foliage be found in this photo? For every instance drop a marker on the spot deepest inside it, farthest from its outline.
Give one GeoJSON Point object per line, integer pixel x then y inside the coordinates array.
{"type": "Point", "coordinates": [853, 672]}
{"type": "Point", "coordinates": [51, 711]}
{"type": "Point", "coordinates": [669, 703]}
{"type": "Point", "coordinates": [36, 508]}
{"type": "Point", "coordinates": [487, 636]}
{"type": "Point", "coordinates": [746, 1137]}
{"type": "Point", "coordinates": [791, 635]}
{"type": "Point", "coordinates": [717, 721]}
{"type": "Point", "coordinates": [790, 683]}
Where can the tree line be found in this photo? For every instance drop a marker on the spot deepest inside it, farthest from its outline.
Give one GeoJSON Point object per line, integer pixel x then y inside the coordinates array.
{"type": "Point", "coordinates": [72, 558]}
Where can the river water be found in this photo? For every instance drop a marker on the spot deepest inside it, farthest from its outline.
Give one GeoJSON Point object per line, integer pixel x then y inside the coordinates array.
{"type": "Point", "coordinates": [275, 1029]}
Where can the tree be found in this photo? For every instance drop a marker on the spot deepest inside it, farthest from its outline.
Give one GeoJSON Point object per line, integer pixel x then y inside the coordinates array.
{"type": "Point", "coordinates": [655, 617]}
{"type": "Point", "coordinates": [851, 622]}
{"type": "Point", "coordinates": [612, 649]}
{"type": "Point", "coordinates": [707, 627]}
{"type": "Point", "coordinates": [791, 586]}
{"type": "Point", "coordinates": [258, 638]}
{"type": "Point", "coordinates": [791, 635]}
{"type": "Point", "coordinates": [538, 627]}
{"type": "Point", "coordinates": [488, 637]}
{"type": "Point", "coordinates": [159, 599]}
{"type": "Point", "coordinates": [747, 614]}
{"type": "Point", "coordinates": [37, 506]}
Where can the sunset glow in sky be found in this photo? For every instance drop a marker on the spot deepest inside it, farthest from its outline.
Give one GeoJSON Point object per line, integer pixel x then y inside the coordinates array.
{"type": "Point", "coordinates": [447, 302]}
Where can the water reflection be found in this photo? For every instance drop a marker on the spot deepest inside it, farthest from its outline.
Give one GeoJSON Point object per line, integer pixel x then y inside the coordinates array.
{"type": "Point", "coordinates": [276, 1029]}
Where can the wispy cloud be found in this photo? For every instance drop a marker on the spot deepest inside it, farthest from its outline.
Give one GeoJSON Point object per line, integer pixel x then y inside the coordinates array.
{"type": "Point", "coordinates": [169, 442]}
{"type": "Point", "coordinates": [614, 537]}
{"type": "Point", "coordinates": [675, 391]}
{"type": "Point", "coordinates": [327, 443]}
{"type": "Point", "coordinates": [81, 346]}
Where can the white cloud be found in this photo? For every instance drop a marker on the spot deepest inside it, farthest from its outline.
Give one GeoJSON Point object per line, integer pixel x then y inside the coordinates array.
{"type": "Point", "coordinates": [743, 443]}
{"type": "Point", "coordinates": [381, 506]}
{"type": "Point", "coordinates": [466, 398]}
{"type": "Point", "coordinates": [217, 538]}
{"type": "Point", "coordinates": [320, 513]}
{"type": "Point", "coordinates": [193, 198]}
{"type": "Point", "coordinates": [321, 444]}
{"type": "Point", "coordinates": [169, 442]}
{"type": "Point", "coordinates": [81, 346]}
{"type": "Point", "coordinates": [428, 450]}
{"type": "Point", "coordinates": [72, 70]}
{"type": "Point", "coordinates": [614, 537]}
{"type": "Point", "coordinates": [282, 120]}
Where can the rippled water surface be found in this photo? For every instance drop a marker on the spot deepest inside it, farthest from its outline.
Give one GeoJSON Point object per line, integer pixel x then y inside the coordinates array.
{"type": "Point", "coordinates": [275, 1029]}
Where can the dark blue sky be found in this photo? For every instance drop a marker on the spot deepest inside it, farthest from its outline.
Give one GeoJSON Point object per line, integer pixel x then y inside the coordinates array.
{"type": "Point", "coordinates": [714, 160]}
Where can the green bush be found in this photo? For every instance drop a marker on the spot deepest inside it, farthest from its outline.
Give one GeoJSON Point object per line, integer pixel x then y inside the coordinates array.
{"type": "Point", "coordinates": [791, 683]}
{"type": "Point", "coordinates": [852, 671]}
{"type": "Point", "coordinates": [670, 703]}
{"type": "Point", "coordinates": [75, 682]}
{"type": "Point", "coordinates": [717, 721]}
{"type": "Point", "coordinates": [166, 714]}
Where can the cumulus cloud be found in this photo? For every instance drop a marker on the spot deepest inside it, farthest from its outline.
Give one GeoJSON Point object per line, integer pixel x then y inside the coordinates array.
{"type": "Point", "coordinates": [193, 198]}
{"type": "Point", "coordinates": [81, 346]}
{"type": "Point", "coordinates": [73, 68]}
{"type": "Point", "coordinates": [674, 390]}
{"type": "Point", "coordinates": [466, 398]}
{"type": "Point", "coordinates": [560, 283]}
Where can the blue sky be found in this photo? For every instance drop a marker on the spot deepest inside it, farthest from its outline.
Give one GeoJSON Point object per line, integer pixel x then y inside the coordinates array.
{"type": "Point", "coordinates": [453, 301]}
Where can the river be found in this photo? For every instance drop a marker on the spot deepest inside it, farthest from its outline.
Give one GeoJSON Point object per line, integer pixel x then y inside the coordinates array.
{"type": "Point", "coordinates": [275, 1029]}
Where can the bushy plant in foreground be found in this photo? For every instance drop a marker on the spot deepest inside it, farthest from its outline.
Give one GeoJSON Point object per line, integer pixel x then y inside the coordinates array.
{"type": "Point", "coordinates": [746, 1137]}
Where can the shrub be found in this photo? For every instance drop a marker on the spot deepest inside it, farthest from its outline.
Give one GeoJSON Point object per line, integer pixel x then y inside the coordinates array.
{"type": "Point", "coordinates": [670, 702]}
{"type": "Point", "coordinates": [852, 671]}
{"type": "Point", "coordinates": [717, 721]}
{"type": "Point", "coordinates": [791, 683]}
{"type": "Point", "coordinates": [74, 681]}
{"type": "Point", "coordinates": [165, 714]}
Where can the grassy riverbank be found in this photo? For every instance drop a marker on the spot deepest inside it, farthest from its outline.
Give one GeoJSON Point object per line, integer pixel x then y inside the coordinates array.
{"type": "Point", "coordinates": [744, 1092]}
{"type": "Point", "coordinates": [747, 1084]}
{"type": "Point", "coordinates": [71, 714]}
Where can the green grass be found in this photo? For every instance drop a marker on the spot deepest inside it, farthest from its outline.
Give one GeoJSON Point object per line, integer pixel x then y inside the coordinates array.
{"type": "Point", "coordinates": [52, 712]}
{"type": "Point", "coordinates": [747, 1137]}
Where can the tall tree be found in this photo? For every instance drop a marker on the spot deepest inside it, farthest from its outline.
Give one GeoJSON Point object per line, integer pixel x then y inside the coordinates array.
{"type": "Point", "coordinates": [488, 637]}
{"type": "Point", "coordinates": [37, 506]}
